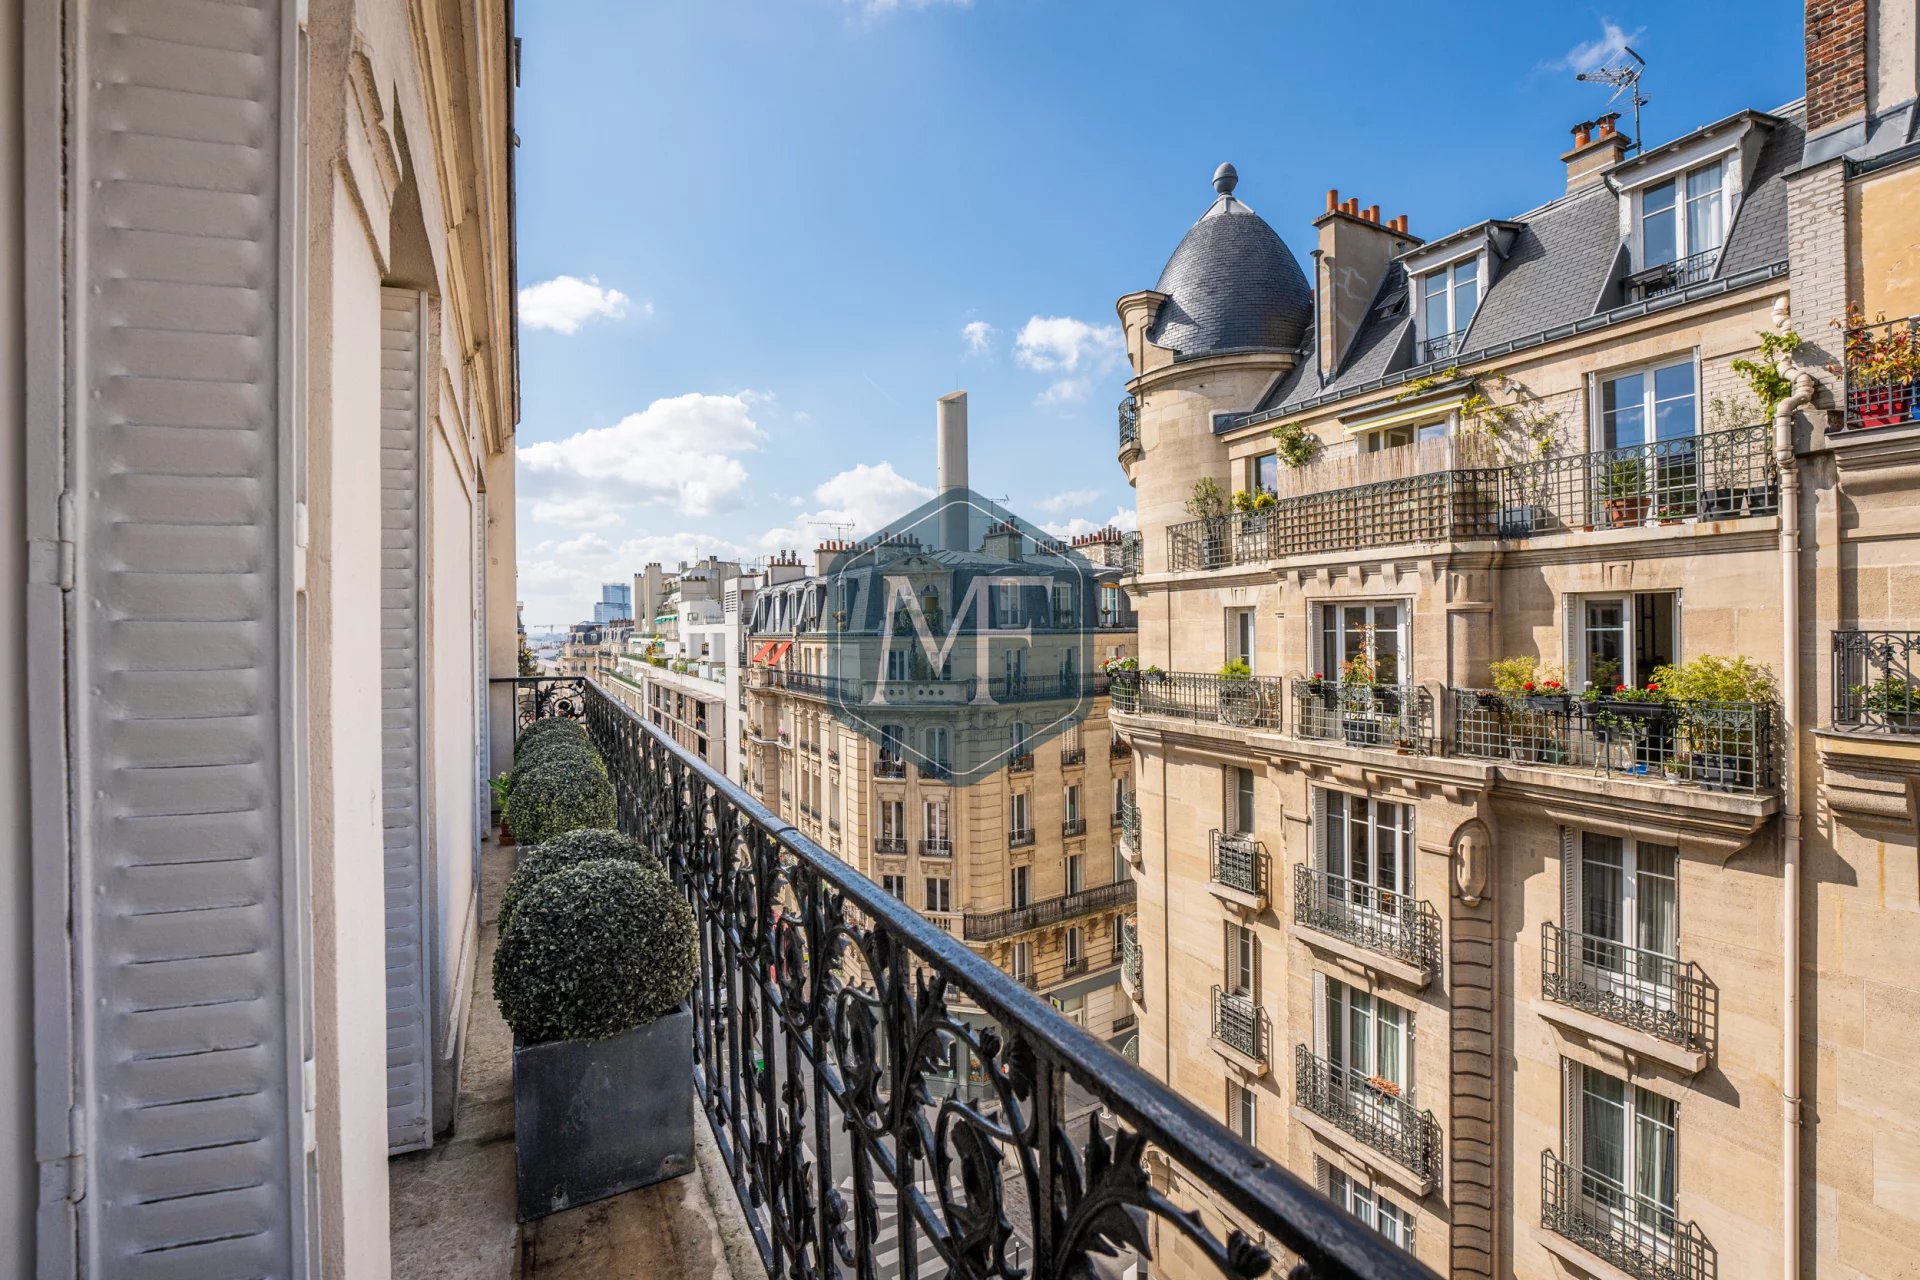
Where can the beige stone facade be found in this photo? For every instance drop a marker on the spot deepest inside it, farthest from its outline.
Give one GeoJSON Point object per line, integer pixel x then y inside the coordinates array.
{"type": "Point", "coordinates": [1485, 1036]}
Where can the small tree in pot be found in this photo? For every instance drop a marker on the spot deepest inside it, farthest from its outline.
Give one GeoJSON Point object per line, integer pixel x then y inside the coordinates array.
{"type": "Point", "coordinates": [586, 844]}
{"type": "Point", "coordinates": [592, 974]}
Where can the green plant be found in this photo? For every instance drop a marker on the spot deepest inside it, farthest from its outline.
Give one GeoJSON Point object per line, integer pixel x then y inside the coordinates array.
{"type": "Point", "coordinates": [1727, 413]}
{"type": "Point", "coordinates": [1625, 479]}
{"type": "Point", "coordinates": [1294, 444]}
{"type": "Point", "coordinates": [559, 795]}
{"type": "Point", "coordinates": [1765, 377]}
{"type": "Point", "coordinates": [1711, 678]}
{"type": "Point", "coordinates": [1888, 696]}
{"type": "Point", "coordinates": [529, 665]}
{"type": "Point", "coordinates": [558, 748]}
{"type": "Point", "coordinates": [501, 787]}
{"type": "Point", "coordinates": [1360, 669]}
{"type": "Point", "coordinates": [1236, 670]}
{"type": "Point", "coordinates": [1419, 386]}
{"type": "Point", "coordinates": [1206, 501]}
{"type": "Point", "coordinates": [1258, 500]}
{"type": "Point", "coordinates": [593, 950]}
{"type": "Point", "coordinates": [541, 730]}
{"type": "Point", "coordinates": [585, 844]}
{"type": "Point", "coordinates": [1522, 674]}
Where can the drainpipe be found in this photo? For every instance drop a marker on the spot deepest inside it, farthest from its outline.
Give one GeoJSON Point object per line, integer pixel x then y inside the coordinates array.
{"type": "Point", "coordinates": [1803, 388]}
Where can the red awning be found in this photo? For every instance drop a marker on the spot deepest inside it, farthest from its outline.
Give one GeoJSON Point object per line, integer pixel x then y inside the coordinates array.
{"type": "Point", "coordinates": [779, 652]}
{"type": "Point", "coordinates": [760, 653]}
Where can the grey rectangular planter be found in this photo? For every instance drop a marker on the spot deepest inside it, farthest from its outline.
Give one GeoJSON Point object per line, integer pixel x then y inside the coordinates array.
{"type": "Point", "coordinates": [593, 1118]}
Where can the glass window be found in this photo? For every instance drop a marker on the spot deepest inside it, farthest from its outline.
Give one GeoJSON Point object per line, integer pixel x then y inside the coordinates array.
{"type": "Point", "coordinates": [895, 885]}
{"type": "Point", "coordinates": [1242, 1108]}
{"type": "Point", "coordinates": [1022, 966]}
{"type": "Point", "coordinates": [1372, 631]}
{"type": "Point", "coordinates": [1240, 636]}
{"type": "Point", "coordinates": [939, 893]}
{"type": "Point", "coordinates": [1368, 850]}
{"type": "Point", "coordinates": [1266, 472]}
{"type": "Point", "coordinates": [1433, 290]}
{"type": "Point", "coordinates": [1076, 873]}
{"type": "Point", "coordinates": [1448, 297]}
{"type": "Point", "coordinates": [1240, 801]}
{"type": "Point", "coordinates": [1624, 639]}
{"type": "Point", "coordinates": [1648, 405]}
{"type": "Point", "coordinates": [1466, 292]}
{"type": "Point", "coordinates": [1368, 1205]}
{"type": "Point", "coordinates": [1022, 884]}
{"type": "Point", "coordinates": [1628, 1149]}
{"type": "Point", "coordinates": [1659, 229]}
{"type": "Point", "coordinates": [1073, 802]}
{"type": "Point", "coordinates": [1706, 227]}
{"type": "Point", "coordinates": [1240, 960]}
{"type": "Point", "coordinates": [937, 745]}
{"type": "Point", "coordinates": [1076, 946]}
{"type": "Point", "coordinates": [1019, 812]}
{"type": "Point", "coordinates": [1628, 902]}
{"type": "Point", "coordinates": [1368, 1038]}
{"type": "Point", "coordinates": [893, 824]}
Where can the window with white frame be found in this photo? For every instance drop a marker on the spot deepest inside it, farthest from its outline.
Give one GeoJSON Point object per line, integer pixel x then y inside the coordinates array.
{"type": "Point", "coordinates": [1076, 946]}
{"type": "Point", "coordinates": [1684, 216]}
{"type": "Point", "coordinates": [895, 885]}
{"type": "Point", "coordinates": [1239, 800]}
{"type": "Point", "coordinates": [1621, 639]}
{"type": "Point", "coordinates": [1020, 812]}
{"type": "Point", "coordinates": [1243, 960]}
{"type": "Point", "coordinates": [1119, 798]}
{"type": "Point", "coordinates": [1366, 1203]}
{"type": "Point", "coordinates": [1242, 1111]}
{"type": "Point", "coordinates": [1021, 884]}
{"type": "Point", "coordinates": [893, 821]}
{"type": "Point", "coordinates": [1072, 802]}
{"type": "Point", "coordinates": [939, 893]}
{"type": "Point", "coordinates": [934, 813]}
{"type": "Point", "coordinates": [1240, 636]}
{"type": "Point", "coordinates": [1365, 1039]}
{"type": "Point", "coordinates": [1364, 848]}
{"type": "Point", "coordinates": [1621, 897]}
{"type": "Point", "coordinates": [1623, 1141]}
{"type": "Point", "coordinates": [1006, 605]}
{"type": "Point", "coordinates": [1448, 298]}
{"type": "Point", "coordinates": [937, 746]}
{"type": "Point", "coordinates": [1076, 872]}
{"type": "Point", "coordinates": [1371, 633]}
{"type": "Point", "coordinates": [1022, 961]}
{"type": "Point", "coordinates": [1648, 406]}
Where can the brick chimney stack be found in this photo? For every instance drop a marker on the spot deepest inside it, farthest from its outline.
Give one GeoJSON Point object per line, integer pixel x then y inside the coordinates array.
{"type": "Point", "coordinates": [1597, 147]}
{"type": "Point", "coordinates": [1356, 248]}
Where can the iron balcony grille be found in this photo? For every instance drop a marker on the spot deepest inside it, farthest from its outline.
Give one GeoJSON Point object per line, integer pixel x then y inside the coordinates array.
{"type": "Point", "coordinates": [1399, 716]}
{"type": "Point", "coordinates": [1721, 746]}
{"type": "Point", "coordinates": [1070, 756]}
{"type": "Point", "coordinates": [1022, 763]}
{"type": "Point", "coordinates": [890, 846]}
{"type": "Point", "coordinates": [935, 847]}
{"type": "Point", "coordinates": [889, 767]}
{"type": "Point", "coordinates": [825, 1006]}
{"type": "Point", "coordinates": [1243, 702]}
{"type": "Point", "coordinates": [1130, 822]}
{"type": "Point", "coordinates": [1666, 277]}
{"type": "Point", "coordinates": [1130, 956]}
{"type": "Point", "coordinates": [1370, 1109]}
{"type": "Point", "coordinates": [1444, 347]}
{"type": "Point", "coordinates": [1632, 986]}
{"type": "Point", "coordinates": [1718, 476]}
{"type": "Point", "coordinates": [987, 926]}
{"type": "Point", "coordinates": [1117, 748]}
{"type": "Point", "coordinates": [1074, 967]}
{"type": "Point", "coordinates": [1239, 1024]}
{"type": "Point", "coordinates": [1239, 862]}
{"type": "Point", "coordinates": [1873, 681]}
{"type": "Point", "coordinates": [1073, 827]}
{"type": "Point", "coordinates": [1392, 924]}
{"type": "Point", "coordinates": [1639, 1235]}
{"type": "Point", "coordinates": [1880, 389]}
{"type": "Point", "coordinates": [1132, 560]}
{"type": "Point", "coordinates": [1020, 837]}
{"type": "Point", "coordinates": [1129, 417]}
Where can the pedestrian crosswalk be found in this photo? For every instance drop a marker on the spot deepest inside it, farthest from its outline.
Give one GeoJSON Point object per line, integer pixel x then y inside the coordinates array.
{"type": "Point", "coordinates": [886, 1243]}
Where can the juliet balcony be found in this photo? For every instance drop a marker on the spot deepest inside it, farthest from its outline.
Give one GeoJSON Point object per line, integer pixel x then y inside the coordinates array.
{"type": "Point", "coordinates": [1693, 479]}
{"type": "Point", "coordinates": [1881, 392]}
{"type": "Point", "coordinates": [1637, 1234]}
{"type": "Point", "coordinates": [1373, 1110]}
{"type": "Point", "coordinates": [1239, 1029]}
{"type": "Point", "coordinates": [1632, 987]}
{"type": "Point", "coordinates": [988, 926]}
{"type": "Point", "coordinates": [1379, 922]}
{"type": "Point", "coordinates": [1873, 678]}
{"type": "Point", "coordinates": [1238, 865]}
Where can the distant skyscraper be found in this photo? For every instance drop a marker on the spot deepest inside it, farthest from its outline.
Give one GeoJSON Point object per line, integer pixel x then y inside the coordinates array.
{"type": "Point", "coordinates": [616, 601]}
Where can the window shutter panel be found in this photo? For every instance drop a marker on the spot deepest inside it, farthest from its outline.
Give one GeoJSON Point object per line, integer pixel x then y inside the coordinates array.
{"type": "Point", "coordinates": [1570, 642]}
{"type": "Point", "coordinates": [1319, 1015]}
{"type": "Point", "coordinates": [1570, 879]}
{"type": "Point", "coordinates": [1570, 1112]}
{"type": "Point", "coordinates": [1319, 829]}
{"type": "Point", "coordinates": [1323, 1177]}
{"type": "Point", "coordinates": [1406, 1056]}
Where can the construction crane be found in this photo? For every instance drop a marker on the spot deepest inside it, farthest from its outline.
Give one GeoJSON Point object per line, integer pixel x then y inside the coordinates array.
{"type": "Point", "coordinates": [1625, 78]}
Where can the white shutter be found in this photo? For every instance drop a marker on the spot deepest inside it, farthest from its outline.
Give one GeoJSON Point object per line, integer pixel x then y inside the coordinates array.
{"type": "Point", "coordinates": [1570, 879]}
{"type": "Point", "coordinates": [1570, 643]}
{"type": "Point", "coordinates": [184, 938]}
{"type": "Point", "coordinates": [1319, 830]}
{"type": "Point", "coordinates": [1323, 1176]}
{"type": "Point", "coordinates": [1406, 1051]}
{"type": "Point", "coordinates": [1570, 1146]}
{"type": "Point", "coordinates": [409, 1035]}
{"type": "Point", "coordinates": [482, 736]}
{"type": "Point", "coordinates": [1319, 1015]}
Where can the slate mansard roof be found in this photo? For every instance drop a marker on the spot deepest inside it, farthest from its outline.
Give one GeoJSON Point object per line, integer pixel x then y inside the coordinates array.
{"type": "Point", "coordinates": [1232, 285]}
{"type": "Point", "coordinates": [1565, 267]}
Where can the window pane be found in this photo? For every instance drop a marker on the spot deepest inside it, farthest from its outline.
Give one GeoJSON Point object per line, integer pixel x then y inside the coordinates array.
{"type": "Point", "coordinates": [1390, 1038]}
{"type": "Point", "coordinates": [1266, 472]}
{"type": "Point", "coordinates": [1705, 226]}
{"type": "Point", "coordinates": [1673, 402]}
{"type": "Point", "coordinates": [1603, 1125]}
{"type": "Point", "coordinates": [1466, 292]}
{"type": "Point", "coordinates": [1434, 301]}
{"type": "Point", "coordinates": [1657, 227]}
{"type": "Point", "coordinates": [1654, 899]}
{"type": "Point", "coordinates": [1623, 411]}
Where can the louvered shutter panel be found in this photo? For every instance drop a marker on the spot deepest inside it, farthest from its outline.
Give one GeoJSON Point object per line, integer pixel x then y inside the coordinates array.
{"type": "Point", "coordinates": [1407, 1055]}
{"type": "Point", "coordinates": [1319, 1015]}
{"type": "Point", "coordinates": [1570, 643]}
{"type": "Point", "coordinates": [1569, 879]}
{"type": "Point", "coordinates": [1319, 830]}
{"type": "Point", "coordinates": [1570, 1145]}
{"type": "Point", "coordinates": [482, 735]}
{"type": "Point", "coordinates": [187, 930]}
{"type": "Point", "coordinates": [409, 1035]}
{"type": "Point", "coordinates": [1323, 1176]}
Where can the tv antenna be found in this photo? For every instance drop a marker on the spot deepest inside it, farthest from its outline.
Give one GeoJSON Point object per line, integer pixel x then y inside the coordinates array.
{"type": "Point", "coordinates": [1625, 78]}
{"type": "Point", "coordinates": [841, 528]}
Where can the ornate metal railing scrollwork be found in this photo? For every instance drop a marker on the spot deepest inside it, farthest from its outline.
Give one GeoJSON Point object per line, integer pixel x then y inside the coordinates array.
{"type": "Point", "coordinates": [838, 1077]}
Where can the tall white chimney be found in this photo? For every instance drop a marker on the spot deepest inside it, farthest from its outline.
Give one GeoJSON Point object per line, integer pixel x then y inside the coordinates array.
{"type": "Point", "coordinates": [951, 477]}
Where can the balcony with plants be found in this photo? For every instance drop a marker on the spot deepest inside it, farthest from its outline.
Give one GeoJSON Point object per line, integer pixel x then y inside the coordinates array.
{"type": "Point", "coordinates": [1364, 707]}
{"type": "Point", "coordinates": [1373, 1109]}
{"type": "Point", "coordinates": [1880, 372]}
{"type": "Point", "coordinates": [1706, 723]}
{"type": "Point", "coordinates": [1874, 685]}
{"type": "Point", "coordinates": [1232, 696]}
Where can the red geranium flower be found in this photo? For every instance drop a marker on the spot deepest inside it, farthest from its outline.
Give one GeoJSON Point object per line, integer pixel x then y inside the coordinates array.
{"type": "Point", "coordinates": [1619, 688]}
{"type": "Point", "coordinates": [1528, 686]}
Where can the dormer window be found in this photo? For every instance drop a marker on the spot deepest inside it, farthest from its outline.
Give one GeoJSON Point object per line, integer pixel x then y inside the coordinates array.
{"type": "Point", "coordinates": [1682, 226]}
{"type": "Point", "coordinates": [1448, 297]}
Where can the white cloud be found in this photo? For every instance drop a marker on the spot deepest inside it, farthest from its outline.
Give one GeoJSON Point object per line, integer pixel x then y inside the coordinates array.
{"type": "Point", "coordinates": [1064, 392]}
{"type": "Point", "coordinates": [1074, 349]}
{"type": "Point", "coordinates": [878, 8]}
{"type": "Point", "coordinates": [865, 497]}
{"type": "Point", "coordinates": [1589, 54]}
{"type": "Point", "coordinates": [576, 513]}
{"type": "Point", "coordinates": [682, 450]}
{"type": "Point", "coordinates": [1124, 519]}
{"type": "Point", "coordinates": [564, 303]}
{"type": "Point", "coordinates": [979, 336]}
{"type": "Point", "coordinates": [1069, 499]}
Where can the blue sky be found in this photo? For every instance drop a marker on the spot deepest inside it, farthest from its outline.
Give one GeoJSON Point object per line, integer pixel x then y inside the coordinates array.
{"type": "Point", "coordinates": [759, 237]}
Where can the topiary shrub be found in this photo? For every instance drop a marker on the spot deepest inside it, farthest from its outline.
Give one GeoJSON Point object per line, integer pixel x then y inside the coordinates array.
{"type": "Point", "coordinates": [550, 728]}
{"type": "Point", "coordinates": [595, 949]}
{"type": "Point", "coordinates": [558, 795]}
{"type": "Point", "coordinates": [559, 747]}
{"type": "Point", "coordinates": [565, 850]}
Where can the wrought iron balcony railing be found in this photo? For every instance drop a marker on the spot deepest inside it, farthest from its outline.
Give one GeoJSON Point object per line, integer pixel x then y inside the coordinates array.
{"type": "Point", "coordinates": [1667, 277]}
{"type": "Point", "coordinates": [1020, 837]}
{"type": "Point", "coordinates": [1073, 827]}
{"type": "Point", "coordinates": [1239, 1024]}
{"type": "Point", "coordinates": [1634, 987]}
{"type": "Point", "coordinates": [1070, 756]}
{"type": "Point", "coordinates": [1130, 822]}
{"type": "Point", "coordinates": [1132, 560]}
{"type": "Point", "coordinates": [1129, 416]}
{"type": "Point", "coordinates": [1239, 862]}
{"type": "Point", "coordinates": [824, 1005]}
{"type": "Point", "coordinates": [889, 767]}
{"type": "Point", "coordinates": [1244, 702]}
{"type": "Point", "coordinates": [1719, 476]}
{"type": "Point", "coordinates": [1636, 1233]}
{"type": "Point", "coordinates": [1393, 924]}
{"type": "Point", "coordinates": [1117, 748]}
{"type": "Point", "coordinates": [1130, 971]}
{"type": "Point", "coordinates": [1444, 347]}
{"type": "Point", "coordinates": [1873, 677]}
{"type": "Point", "coordinates": [1022, 763]}
{"type": "Point", "coordinates": [1394, 716]}
{"type": "Point", "coordinates": [1371, 1109]}
{"type": "Point", "coordinates": [1074, 967]}
{"type": "Point", "coordinates": [986, 926]}
{"type": "Point", "coordinates": [936, 847]}
{"type": "Point", "coordinates": [1722, 746]}
{"type": "Point", "coordinates": [1880, 389]}
{"type": "Point", "coordinates": [890, 846]}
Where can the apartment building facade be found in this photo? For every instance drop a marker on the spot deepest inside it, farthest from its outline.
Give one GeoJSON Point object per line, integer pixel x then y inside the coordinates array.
{"type": "Point", "coordinates": [1535, 969]}
{"type": "Point", "coordinates": [260, 571]}
{"type": "Point", "coordinates": [1024, 863]}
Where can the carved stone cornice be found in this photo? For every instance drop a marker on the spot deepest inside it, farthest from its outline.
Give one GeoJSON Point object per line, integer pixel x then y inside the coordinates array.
{"type": "Point", "coordinates": [1869, 783]}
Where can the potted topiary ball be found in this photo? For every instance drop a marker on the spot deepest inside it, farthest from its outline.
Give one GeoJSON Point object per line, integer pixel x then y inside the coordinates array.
{"type": "Point", "coordinates": [544, 730]}
{"type": "Point", "coordinates": [558, 793]}
{"type": "Point", "coordinates": [584, 844]}
{"type": "Point", "coordinates": [592, 974]}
